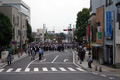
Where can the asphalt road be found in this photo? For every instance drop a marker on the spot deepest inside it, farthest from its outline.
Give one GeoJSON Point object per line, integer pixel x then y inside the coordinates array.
{"type": "Point", "coordinates": [54, 66]}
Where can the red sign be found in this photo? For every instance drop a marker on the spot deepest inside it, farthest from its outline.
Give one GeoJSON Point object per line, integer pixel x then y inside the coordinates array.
{"type": "Point", "coordinates": [88, 31]}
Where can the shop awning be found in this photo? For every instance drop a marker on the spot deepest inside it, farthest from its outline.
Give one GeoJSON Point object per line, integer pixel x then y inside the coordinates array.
{"type": "Point", "coordinates": [97, 45]}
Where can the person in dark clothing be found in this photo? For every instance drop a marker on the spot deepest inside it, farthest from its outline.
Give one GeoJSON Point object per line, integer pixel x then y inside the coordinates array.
{"type": "Point", "coordinates": [40, 53]}
{"type": "Point", "coordinates": [89, 62]}
{"type": "Point", "coordinates": [9, 58]}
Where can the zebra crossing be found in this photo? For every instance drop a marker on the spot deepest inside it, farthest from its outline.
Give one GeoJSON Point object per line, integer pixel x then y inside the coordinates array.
{"type": "Point", "coordinates": [43, 69]}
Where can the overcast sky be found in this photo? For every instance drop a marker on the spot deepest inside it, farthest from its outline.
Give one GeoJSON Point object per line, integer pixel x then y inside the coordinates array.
{"type": "Point", "coordinates": [57, 14]}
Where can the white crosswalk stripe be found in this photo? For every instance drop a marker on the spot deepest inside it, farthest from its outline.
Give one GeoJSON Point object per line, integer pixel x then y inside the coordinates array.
{"type": "Point", "coordinates": [62, 69]}
{"type": "Point", "coordinates": [80, 69]}
{"type": "Point", "coordinates": [53, 69]}
{"type": "Point", "coordinates": [44, 69]}
{"type": "Point", "coordinates": [1, 70]}
{"type": "Point", "coordinates": [9, 70]}
{"type": "Point", "coordinates": [71, 69]}
{"type": "Point", "coordinates": [27, 69]}
{"type": "Point", "coordinates": [36, 69]}
{"type": "Point", "coordinates": [18, 69]}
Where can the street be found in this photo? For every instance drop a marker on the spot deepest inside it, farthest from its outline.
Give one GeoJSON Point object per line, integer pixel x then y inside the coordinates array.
{"type": "Point", "coordinates": [54, 66]}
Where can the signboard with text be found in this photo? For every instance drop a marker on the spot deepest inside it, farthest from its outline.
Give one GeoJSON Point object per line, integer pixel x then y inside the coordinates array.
{"type": "Point", "coordinates": [108, 24]}
{"type": "Point", "coordinates": [99, 32]}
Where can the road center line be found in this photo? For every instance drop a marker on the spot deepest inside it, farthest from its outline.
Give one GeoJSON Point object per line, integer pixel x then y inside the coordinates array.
{"type": "Point", "coordinates": [54, 59]}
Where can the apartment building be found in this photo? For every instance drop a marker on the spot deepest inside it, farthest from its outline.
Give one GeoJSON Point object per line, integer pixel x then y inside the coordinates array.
{"type": "Point", "coordinates": [22, 7]}
{"type": "Point", "coordinates": [24, 14]}
{"type": "Point", "coordinates": [14, 17]}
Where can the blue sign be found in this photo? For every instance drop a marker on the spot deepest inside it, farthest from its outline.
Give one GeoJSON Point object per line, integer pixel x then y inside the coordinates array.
{"type": "Point", "coordinates": [13, 42]}
{"type": "Point", "coordinates": [108, 24]}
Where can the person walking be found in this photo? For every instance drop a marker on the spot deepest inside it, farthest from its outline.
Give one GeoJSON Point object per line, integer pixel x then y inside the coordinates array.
{"type": "Point", "coordinates": [40, 54]}
{"type": "Point", "coordinates": [9, 59]}
{"type": "Point", "coordinates": [33, 55]}
{"type": "Point", "coordinates": [89, 62]}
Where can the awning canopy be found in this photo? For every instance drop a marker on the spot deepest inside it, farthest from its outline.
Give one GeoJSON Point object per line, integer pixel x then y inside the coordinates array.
{"type": "Point", "coordinates": [97, 45]}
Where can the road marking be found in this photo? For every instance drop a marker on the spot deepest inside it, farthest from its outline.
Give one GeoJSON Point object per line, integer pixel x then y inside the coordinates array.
{"type": "Point", "coordinates": [71, 69]}
{"type": "Point", "coordinates": [1, 70]}
{"type": "Point", "coordinates": [36, 69]}
{"type": "Point", "coordinates": [111, 78]}
{"type": "Point", "coordinates": [95, 73]}
{"type": "Point", "coordinates": [18, 70]}
{"type": "Point", "coordinates": [45, 69]}
{"type": "Point", "coordinates": [37, 59]}
{"type": "Point", "coordinates": [53, 69]}
{"type": "Point", "coordinates": [62, 69]}
{"type": "Point", "coordinates": [27, 69]}
{"type": "Point", "coordinates": [43, 60]}
{"type": "Point", "coordinates": [9, 70]}
{"type": "Point", "coordinates": [103, 75]}
{"type": "Point", "coordinates": [80, 69]}
{"type": "Point", "coordinates": [65, 60]}
{"type": "Point", "coordinates": [54, 59]}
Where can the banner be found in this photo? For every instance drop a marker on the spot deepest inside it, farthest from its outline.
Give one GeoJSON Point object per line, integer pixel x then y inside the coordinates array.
{"type": "Point", "coordinates": [88, 31]}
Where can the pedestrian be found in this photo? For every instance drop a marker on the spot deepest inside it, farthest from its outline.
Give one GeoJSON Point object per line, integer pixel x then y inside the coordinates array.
{"type": "Point", "coordinates": [33, 55]}
{"type": "Point", "coordinates": [89, 62]}
{"type": "Point", "coordinates": [18, 50]}
{"type": "Point", "coordinates": [9, 59]}
{"type": "Point", "coordinates": [40, 53]}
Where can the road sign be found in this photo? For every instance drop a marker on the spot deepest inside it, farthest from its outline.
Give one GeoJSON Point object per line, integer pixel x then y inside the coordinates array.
{"type": "Point", "coordinates": [13, 42]}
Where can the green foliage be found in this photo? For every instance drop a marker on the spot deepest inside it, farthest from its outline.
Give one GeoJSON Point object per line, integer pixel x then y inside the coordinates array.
{"type": "Point", "coordinates": [5, 30]}
{"type": "Point", "coordinates": [29, 33]}
{"type": "Point", "coordinates": [81, 23]}
{"type": "Point", "coordinates": [14, 51]}
{"type": "Point", "coordinates": [63, 35]}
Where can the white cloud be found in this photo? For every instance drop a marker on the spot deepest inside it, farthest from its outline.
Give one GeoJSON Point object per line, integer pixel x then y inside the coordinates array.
{"type": "Point", "coordinates": [55, 13]}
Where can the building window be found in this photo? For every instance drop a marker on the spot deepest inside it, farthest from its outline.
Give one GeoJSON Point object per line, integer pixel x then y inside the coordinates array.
{"type": "Point", "coordinates": [18, 21]}
{"type": "Point", "coordinates": [109, 2]}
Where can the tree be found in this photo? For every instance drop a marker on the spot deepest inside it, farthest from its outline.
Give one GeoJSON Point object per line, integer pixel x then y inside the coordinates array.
{"type": "Point", "coordinates": [63, 35]}
{"type": "Point", "coordinates": [81, 23]}
{"type": "Point", "coordinates": [29, 33]}
{"type": "Point", "coordinates": [5, 30]}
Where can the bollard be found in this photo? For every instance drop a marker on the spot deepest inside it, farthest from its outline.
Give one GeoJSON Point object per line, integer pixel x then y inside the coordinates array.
{"type": "Point", "coordinates": [100, 69]}
{"type": "Point", "coordinates": [95, 67]}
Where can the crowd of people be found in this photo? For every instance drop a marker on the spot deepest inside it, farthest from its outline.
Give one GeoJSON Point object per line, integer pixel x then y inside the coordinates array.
{"type": "Point", "coordinates": [32, 49]}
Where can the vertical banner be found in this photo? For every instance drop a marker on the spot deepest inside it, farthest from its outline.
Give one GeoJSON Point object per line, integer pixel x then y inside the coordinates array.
{"type": "Point", "coordinates": [108, 24]}
{"type": "Point", "coordinates": [99, 32]}
{"type": "Point", "coordinates": [88, 31]}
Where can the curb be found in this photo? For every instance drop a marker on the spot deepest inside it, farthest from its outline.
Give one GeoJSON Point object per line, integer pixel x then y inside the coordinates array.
{"type": "Point", "coordinates": [75, 62]}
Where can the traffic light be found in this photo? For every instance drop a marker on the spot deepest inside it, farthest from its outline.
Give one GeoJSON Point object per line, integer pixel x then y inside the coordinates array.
{"type": "Point", "coordinates": [65, 30]}
{"type": "Point", "coordinates": [69, 29]}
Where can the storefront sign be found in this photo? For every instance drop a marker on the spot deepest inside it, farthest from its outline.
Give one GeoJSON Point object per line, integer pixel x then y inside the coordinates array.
{"type": "Point", "coordinates": [108, 24]}
{"type": "Point", "coordinates": [99, 32]}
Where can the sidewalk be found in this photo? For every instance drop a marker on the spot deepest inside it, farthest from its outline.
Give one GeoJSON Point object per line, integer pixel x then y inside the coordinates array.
{"type": "Point", "coordinates": [15, 59]}
{"type": "Point", "coordinates": [105, 69]}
